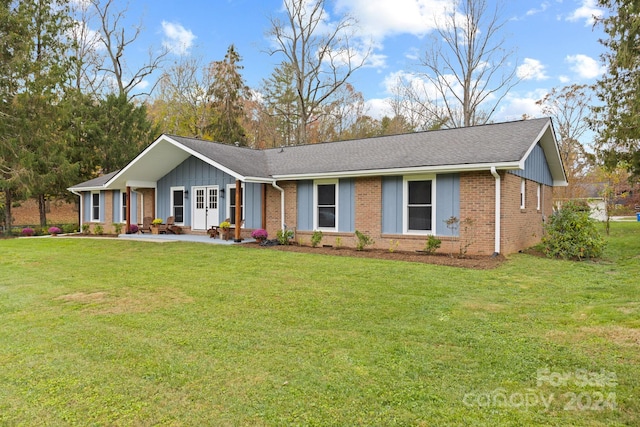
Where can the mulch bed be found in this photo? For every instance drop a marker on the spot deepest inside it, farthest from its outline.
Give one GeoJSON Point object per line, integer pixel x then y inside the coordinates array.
{"type": "Point", "coordinates": [473, 262]}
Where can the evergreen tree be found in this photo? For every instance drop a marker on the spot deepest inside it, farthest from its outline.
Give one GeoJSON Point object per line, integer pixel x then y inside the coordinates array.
{"type": "Point", "coordinates": [280, 103]}
{"type": "Point", "coordinates": [617, 119]}
{"type": "Point", "coordinates": [229, 91]}
{"type": "Point", "coordinates": [31, 144]}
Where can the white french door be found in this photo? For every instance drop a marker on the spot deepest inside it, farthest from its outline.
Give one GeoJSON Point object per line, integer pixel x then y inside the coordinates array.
{"type": "Point", "coordinates": [205, 207]}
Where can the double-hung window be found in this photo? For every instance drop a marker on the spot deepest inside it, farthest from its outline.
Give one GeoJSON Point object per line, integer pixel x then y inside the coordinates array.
{"type": "Point", "coordinates": [419, 205]}
{"type": "Point", "coordinates": [123, 197]}
{"type": "Point", "coordinates": [231, 203]}
{"type": "Point", "coordinates": [326, 205]}
{"type": "Point", "coordinates": [95, 206]}
{"type": "Point", "coordinates": [177, 204]}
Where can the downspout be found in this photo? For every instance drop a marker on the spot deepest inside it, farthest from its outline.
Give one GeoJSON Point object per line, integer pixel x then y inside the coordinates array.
{"type": "Point", "coordinates": [274, 185]}
{"type": "Point", "coordinates": [495, 174]}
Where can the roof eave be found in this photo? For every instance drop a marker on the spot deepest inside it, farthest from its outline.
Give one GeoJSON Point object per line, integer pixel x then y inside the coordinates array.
{"type": "Point", "coordinates": [400, 171]}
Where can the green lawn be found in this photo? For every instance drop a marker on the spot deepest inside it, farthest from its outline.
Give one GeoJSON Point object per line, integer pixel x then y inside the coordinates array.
{"type": "Point", "coordinates": [108, 332]}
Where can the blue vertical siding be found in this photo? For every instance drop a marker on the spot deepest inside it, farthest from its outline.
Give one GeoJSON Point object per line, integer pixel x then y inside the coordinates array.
{"type": "Point", "coordinates": [117, 206]}
{"type": "Point", "coordinates": [86, 206]}
{"type": "Point", "coordinates": [195, 172]}
{"type": "Point", "coordinates": [305, 205]}
{"type": "Point", "coordinates": [103, 204]}
{"type": "Point", "coordinates": [447, 201]}
{"type": "Point", "coordinates": [347, 205]}
{"type": "Point", "coordinates": [536, 167]}
{"type": "Point", "coordinates": [116, 199]}
{"type": "Point", "coordinates": [392, 205]}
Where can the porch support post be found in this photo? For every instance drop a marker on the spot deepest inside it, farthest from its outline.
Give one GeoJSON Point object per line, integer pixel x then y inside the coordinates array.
{"type": "Point", "coordinates": [128, 227]}
{"type": "Point", "coordinates": [238, 218]}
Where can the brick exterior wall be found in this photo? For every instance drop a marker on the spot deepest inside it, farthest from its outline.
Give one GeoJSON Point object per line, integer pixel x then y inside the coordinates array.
{"type": "Point", "coordinates": [368, 214]}
{"type": "Point", "coordinates": [523, 228]}
{"type": "Point", "coordinates": [290, 208]}
{"type": "Point", "coordinates": [58, 212]}
{"type": "Point", "coordinates": [520, 228]}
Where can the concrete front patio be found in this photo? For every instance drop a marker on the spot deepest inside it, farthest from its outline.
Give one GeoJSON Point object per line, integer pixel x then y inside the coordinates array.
{"type": "Point", "coordinates": [196, 238]}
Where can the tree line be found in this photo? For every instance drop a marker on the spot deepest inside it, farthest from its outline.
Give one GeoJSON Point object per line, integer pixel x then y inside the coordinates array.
{"type": "Point", "coordinates": [73, 108]}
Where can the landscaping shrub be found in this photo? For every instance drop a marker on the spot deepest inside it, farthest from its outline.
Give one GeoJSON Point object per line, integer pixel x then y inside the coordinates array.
{"type": "Point", "coordinates": [572, 234]}
{"type": "Point", "coordinates": [69, 228]}
{"type": "Point", "coordinates": [432, 245]}
{"type": "Point", "coordinates": [316, 238]}
{"type": "Point", "coordinates": [363, 241]}
{"type": "Point", "coordinates": [284, 236]}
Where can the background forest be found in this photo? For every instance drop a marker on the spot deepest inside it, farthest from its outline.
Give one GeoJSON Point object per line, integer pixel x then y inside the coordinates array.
{"type": "Point", "coordinates": [72, 107]}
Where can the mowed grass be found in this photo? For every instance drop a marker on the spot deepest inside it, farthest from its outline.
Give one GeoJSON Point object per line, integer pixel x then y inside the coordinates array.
{"type": "Point", "coordinates": [108, 332]}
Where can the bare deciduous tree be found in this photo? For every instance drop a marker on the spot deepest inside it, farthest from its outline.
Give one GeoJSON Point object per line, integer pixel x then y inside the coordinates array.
{"type": "Point", "coordinates": [322, 54]}
{"type": "Point", "coordinates": [115, 41]}
{"type": "Point", "coordinates": [467, 67]}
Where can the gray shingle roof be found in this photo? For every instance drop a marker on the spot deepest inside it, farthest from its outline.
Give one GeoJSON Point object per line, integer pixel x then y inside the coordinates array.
{"type": "Point", "coordinates": [487, 144]}
{"type": "Point", "coordinates": [245, 161]}
{"type": "Point", "coordinates": [96, 182]}
{"type": "Point", "coordinates": [493, 143]}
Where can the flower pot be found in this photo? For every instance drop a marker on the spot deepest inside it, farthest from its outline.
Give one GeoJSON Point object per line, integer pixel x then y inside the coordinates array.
{"type": "Point", "coordinates": [155, 229]}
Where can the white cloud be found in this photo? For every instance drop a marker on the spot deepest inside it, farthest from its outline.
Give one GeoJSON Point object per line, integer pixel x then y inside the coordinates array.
{"type": "Point", "coordinates": [585, 66]}
{"type": "Point", "coordinates": [544, 6]}
{"type": "Point", "coordinates": [515, 107]}
{"type": "Point", "coordinates": [531, 69]}
{"type": "Point", "coordinates": [587, 11]}
{"type": "Point", "coordinates": [177, 38]}
{"type": "Point", "coordinates": [381, 18]}
{"type": "Point", "coordinates": [378, 108]}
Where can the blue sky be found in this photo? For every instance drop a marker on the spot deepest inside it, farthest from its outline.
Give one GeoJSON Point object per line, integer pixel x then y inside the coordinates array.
{"type": "Point", "coordinates": [554, 41]}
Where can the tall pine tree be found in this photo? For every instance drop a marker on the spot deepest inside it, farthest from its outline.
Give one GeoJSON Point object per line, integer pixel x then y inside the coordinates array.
{"type": "Point", "coordinates": [229, 92]}
{"type": "Point", "coordinates": [617, 118]}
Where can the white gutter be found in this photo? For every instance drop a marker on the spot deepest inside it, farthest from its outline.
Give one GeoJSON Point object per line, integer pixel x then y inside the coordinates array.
{"type": "Point", "coordinates": [497, 209]}
{"type": "Point", "coordinates": [274, 185]}
{"type": "Point", "coordinates": [517, 165]}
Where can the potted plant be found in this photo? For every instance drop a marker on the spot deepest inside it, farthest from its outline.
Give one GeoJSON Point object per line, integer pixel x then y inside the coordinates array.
{"type": "Point", "coordinates": [54, 231]}
{"type": "Point", "coordinates": [155, 229]}
{"type": "Point", "coordinates": [28, 231]}
{"type": "Point", "coordinates": [225, 226]}
{"type": "Point", "coordinates": [260, 235]}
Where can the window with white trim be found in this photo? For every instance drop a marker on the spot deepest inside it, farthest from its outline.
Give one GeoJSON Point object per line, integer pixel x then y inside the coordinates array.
{"type": "Point", "coordinates": [95, 206]}
{"type": "Point", "coordinates": [539, 197]}
{"type": "Point", "coordinates": [325, 205]}
{"type": "Point", "coordinates": [177, 204]}
{"type": "Point", "coordinates": [523, 188]}
{"type": "Point", "coordinates": [123, 213]}
{"type": "Point", "coordinates": [231, 203]}
{"type": "Point", "coordinates": [419, 206]}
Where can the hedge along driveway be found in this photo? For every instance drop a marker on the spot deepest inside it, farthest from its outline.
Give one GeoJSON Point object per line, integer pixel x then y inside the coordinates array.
{"type": "Point", "coordinates": [115, 332]}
